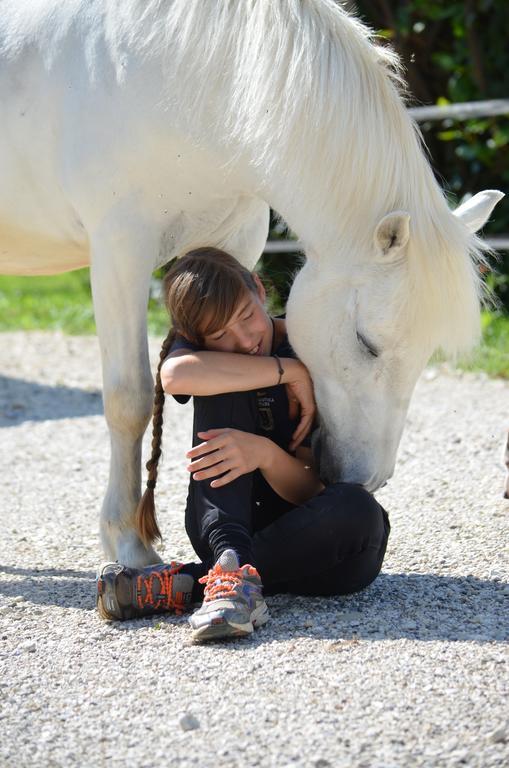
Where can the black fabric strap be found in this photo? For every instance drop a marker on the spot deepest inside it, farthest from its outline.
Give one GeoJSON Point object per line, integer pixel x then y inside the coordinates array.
{"type": "Point", "coordinates": [273, 347]}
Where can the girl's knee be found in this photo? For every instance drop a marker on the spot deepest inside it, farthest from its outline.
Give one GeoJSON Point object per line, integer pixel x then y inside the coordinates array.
{"type": "Point", "coordinates": [352, 573]}
{"type": "Point", "coordinates": [361, 507]}
{"type": "Point", "coordinates": [236, 410]}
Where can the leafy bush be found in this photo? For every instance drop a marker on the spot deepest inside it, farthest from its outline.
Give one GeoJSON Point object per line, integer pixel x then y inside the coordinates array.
{"type": "Point", "coordinates": [456, 52]}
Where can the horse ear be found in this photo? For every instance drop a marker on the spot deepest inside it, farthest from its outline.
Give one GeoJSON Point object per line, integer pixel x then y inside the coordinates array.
{"type": "Point", "coordinates": [391, 235]}
{"type": "Point", "coordinates": [477, 210]}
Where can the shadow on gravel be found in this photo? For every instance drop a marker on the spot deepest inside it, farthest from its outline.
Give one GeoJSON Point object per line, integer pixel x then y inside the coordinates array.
{"type": "Point", "coordinates": [65, 587]}
{"type": "Point", "coordinates": [396, 606]}
{"type": "Point", "coordinates": [22, 400]}
{"type": "Point", "coordinates": [399, 605]}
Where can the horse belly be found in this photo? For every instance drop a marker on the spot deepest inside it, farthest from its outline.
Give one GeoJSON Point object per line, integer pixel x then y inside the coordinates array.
{"type": "Point", "coordinates": [40, 232]}
{"type": "Point", "coordinates": [29, 253]}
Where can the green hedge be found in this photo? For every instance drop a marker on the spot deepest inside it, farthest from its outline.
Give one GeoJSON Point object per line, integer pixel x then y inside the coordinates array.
{"type": "Point", "coordinates": [457, 51]}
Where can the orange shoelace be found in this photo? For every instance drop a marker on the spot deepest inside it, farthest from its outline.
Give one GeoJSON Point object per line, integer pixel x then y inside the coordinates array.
{"type": "Point", "coordinates": [219, 583]}
{"type": "Point", "coordinates": [165, 600]}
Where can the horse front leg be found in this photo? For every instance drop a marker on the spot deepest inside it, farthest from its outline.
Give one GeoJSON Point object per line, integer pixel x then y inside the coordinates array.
{"type": "Point", "coordinates": [122, 263]}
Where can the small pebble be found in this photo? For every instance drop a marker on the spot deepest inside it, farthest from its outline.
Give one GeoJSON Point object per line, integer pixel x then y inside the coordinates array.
{"type": "Point", "coordinates": [351, 615]}
{"type": "Point", "coordinates": [189, 722]}
{"type": "Point", "coordinates": [105, 693]}
{"type": "Point", "coordinates": [409, 624]}
{"type": "Point", "coordinates": [499, 736]}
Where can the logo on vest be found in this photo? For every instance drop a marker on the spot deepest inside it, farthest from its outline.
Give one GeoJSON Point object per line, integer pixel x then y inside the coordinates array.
{"type": "Point", "coordinates": [265, 403]}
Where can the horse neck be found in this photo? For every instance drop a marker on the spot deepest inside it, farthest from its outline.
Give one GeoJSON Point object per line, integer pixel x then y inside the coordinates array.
{"type": "Point", "coordinates": [309, 106]}
{"type": "Point", "coordinates": [301, 92]}
{"type": "Point", "coordinates": [333, 192]}
{"type": "Point", "coordinates": [337, 188]}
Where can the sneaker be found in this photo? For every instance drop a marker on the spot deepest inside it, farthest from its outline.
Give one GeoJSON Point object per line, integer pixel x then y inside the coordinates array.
{"type": "Point", "coordinates": [129, 593]}
{"type": "Point", "coordinates": [233, 605]}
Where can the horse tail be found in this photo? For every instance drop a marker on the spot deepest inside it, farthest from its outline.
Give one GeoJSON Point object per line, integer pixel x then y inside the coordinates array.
{"type": "Point", "coordinates": [146, 522]}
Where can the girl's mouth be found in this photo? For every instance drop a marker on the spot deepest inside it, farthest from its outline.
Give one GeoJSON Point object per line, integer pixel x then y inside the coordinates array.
{"type": "Point", "coordinates": [258, 350]}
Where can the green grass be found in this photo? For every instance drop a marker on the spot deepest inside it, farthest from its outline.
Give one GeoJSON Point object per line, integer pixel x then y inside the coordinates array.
{"type": "Point", "coordinates": [63, 302]}
{"type": "Point", "coordinates": [492, 356]}
{"type": "Point", "coordinates": [58, 302]}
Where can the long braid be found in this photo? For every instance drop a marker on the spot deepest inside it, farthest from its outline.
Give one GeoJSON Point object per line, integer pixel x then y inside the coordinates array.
{"type": "Point", "coordinates": [146, 522]}
{"type": "Point", "coordinates": [202, 289]}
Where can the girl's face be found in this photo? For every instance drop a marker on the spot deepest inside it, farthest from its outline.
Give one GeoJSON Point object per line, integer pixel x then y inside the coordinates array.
{"type": "Point", "coordinates": [249, 330]}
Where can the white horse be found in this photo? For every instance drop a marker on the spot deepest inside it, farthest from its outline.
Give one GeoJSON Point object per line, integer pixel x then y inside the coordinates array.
{"type": "Point", "coordinates": [133, 130]}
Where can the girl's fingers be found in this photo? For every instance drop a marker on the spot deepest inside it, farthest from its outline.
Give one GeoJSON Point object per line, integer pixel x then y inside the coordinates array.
{"type": "Point", "coordinates": [206, 461]}
{"type": "Point", "coordinates": [199, 450]}
{"type": "Point", "coordinates": [213, 441]}
{"type": "Point", "coordinates": [303, 425]}
{"type": "Point", "coordinates": [293, 407]}
{"type": "Point", "coordinates": [301, 432]}
{"type": "Point", "coordinates": [208, 447]}
{"type": "Point", "coordinates": [217, 469]}
{"type": "Point", "coordinates": [231, 475]}
{"type": "Point", "coordinates": [213, 432]}
{"type": "Point", "coordinates": [295, 443]}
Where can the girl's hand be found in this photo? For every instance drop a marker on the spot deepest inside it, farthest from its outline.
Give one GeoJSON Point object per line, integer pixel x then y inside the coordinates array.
{"type": "Point", "coordinates": [300, 393]}
{"type": "Point", "coordinates": [226, 450]}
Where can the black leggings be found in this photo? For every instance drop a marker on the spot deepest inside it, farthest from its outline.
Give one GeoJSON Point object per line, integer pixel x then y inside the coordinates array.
{"type": "Point", "coordinates": [333, 544]}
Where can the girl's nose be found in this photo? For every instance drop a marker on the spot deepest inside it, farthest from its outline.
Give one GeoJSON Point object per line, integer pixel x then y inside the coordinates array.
{"type": "Point", "coordinates": [244, 340]}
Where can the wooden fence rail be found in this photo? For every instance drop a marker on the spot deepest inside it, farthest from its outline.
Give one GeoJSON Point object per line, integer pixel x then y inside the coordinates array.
{"type": "Point", "coordinates": [461, 111]}
{"type": "Point", "coordinates": [424, 114]}
{"type": "Point", "coordinates": [499, 243]}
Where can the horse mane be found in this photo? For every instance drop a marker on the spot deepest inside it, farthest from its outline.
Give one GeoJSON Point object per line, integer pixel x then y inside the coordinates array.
{"type": "Point", "coordinates": [298, 77]}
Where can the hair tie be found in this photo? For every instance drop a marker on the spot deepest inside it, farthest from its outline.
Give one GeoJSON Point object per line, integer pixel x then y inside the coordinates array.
{"type": "Point", "coordinates": [151, 484]}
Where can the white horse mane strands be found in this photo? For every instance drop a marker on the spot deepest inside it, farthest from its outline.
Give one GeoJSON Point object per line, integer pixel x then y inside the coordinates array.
{"type": "Point", "coordinates": [336, 88]}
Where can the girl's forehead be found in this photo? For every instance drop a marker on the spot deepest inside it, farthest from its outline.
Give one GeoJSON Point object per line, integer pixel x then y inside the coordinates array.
{"type": "Point", "coordinates": [212, 321]}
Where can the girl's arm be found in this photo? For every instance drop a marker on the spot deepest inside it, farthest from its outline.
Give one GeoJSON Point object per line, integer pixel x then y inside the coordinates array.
{"type": "Point", "coordinates": [226, 454]}
{"type": "Point", "coordinates": [292, 478]}
{"type": "Point", "coordinates": [214, 373]}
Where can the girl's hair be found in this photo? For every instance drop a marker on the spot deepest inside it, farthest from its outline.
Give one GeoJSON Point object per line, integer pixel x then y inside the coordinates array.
{"type": "Point", "coordinates": [202, 290]}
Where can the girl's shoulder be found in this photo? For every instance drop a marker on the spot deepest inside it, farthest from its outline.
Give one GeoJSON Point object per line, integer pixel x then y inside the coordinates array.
{"type": "Point", "coordinates": [179, 346]}
{"type": "Point", "coordinates": [181, 343]}
{"type": "Point", "coordinates": [282, 346]}
{"type": "Point", "coordinates": [279, 329]}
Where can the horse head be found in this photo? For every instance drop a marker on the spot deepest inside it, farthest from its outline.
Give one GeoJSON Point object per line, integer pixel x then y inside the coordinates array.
{"type": "Point", "coordinates": [366, 327]}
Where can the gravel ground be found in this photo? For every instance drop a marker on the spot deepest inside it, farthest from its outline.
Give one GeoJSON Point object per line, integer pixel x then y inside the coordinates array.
{"type": "Point", "coordinates": [410, 672]}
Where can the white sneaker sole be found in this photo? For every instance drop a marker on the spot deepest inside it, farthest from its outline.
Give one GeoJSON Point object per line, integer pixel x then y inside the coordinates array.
{"type": "Point", "coordinates": [222, 628]}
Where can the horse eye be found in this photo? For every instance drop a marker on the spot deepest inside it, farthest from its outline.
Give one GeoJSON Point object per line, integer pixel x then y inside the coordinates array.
{"type": "Point", "coordinates": [365, 344]}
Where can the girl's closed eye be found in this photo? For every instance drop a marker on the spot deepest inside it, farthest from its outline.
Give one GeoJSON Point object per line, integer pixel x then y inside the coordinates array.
{"type": "Point", "coordinates": [244, 318]}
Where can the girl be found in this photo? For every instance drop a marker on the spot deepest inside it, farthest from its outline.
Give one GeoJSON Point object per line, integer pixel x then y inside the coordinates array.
{"type": "Point", "coordinates": [256, 510]}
